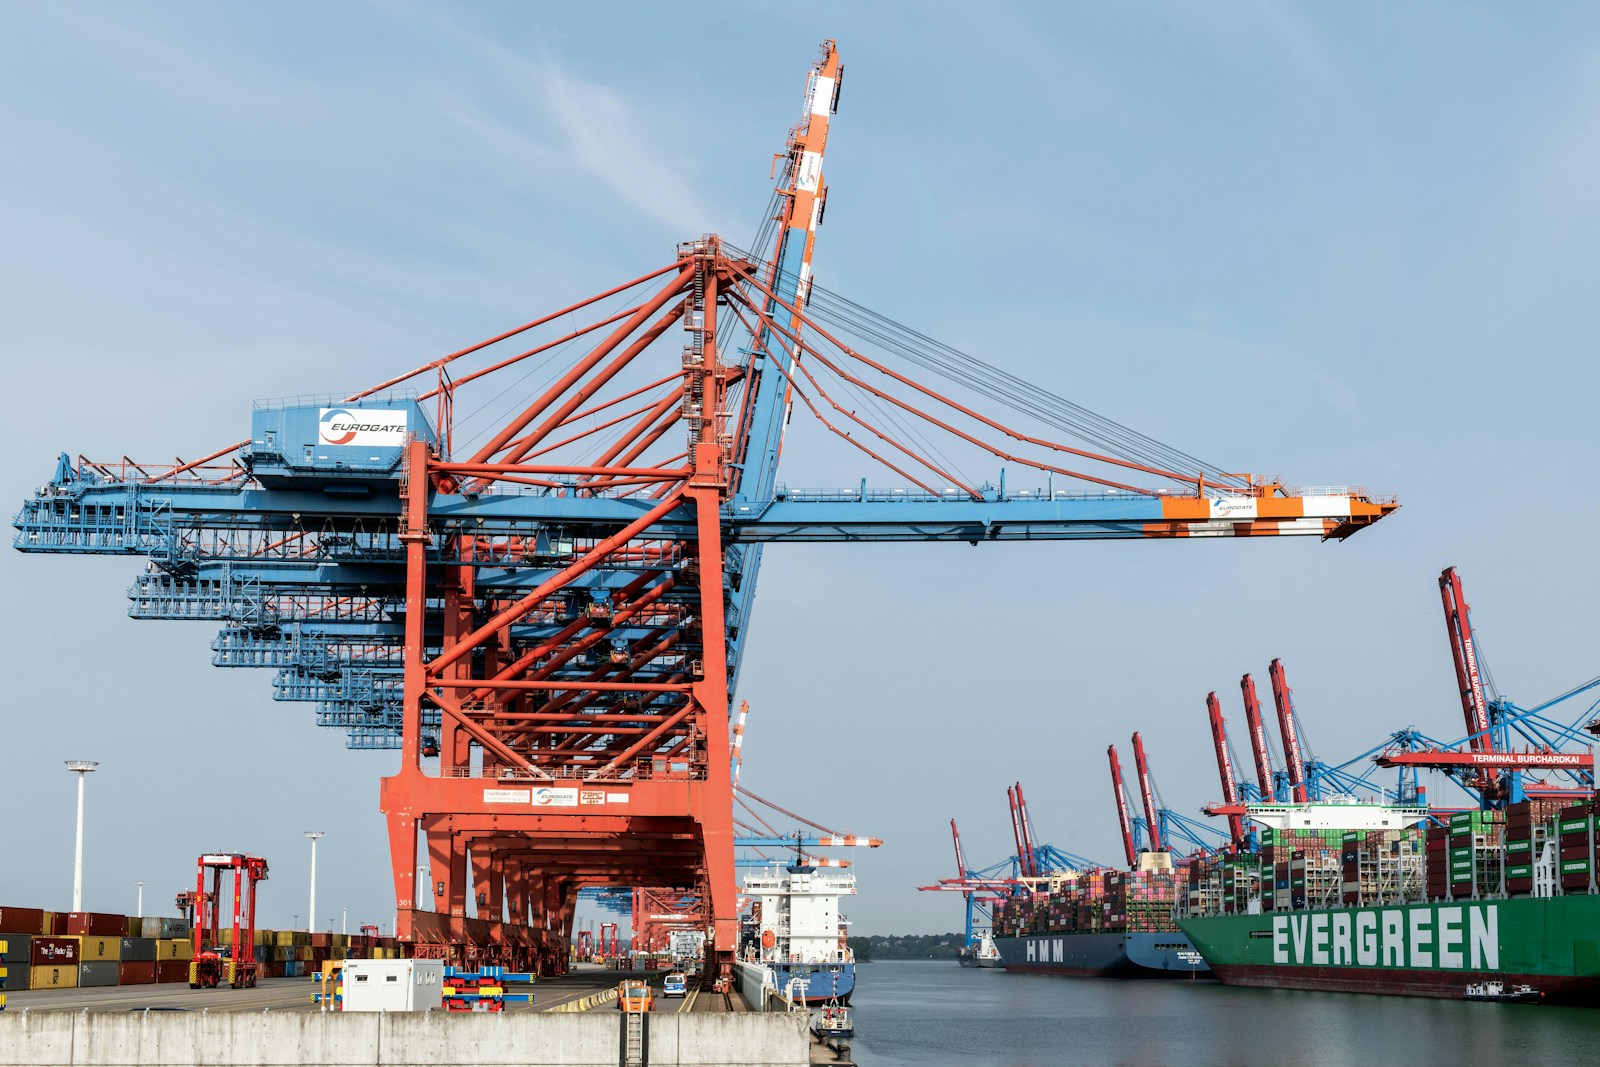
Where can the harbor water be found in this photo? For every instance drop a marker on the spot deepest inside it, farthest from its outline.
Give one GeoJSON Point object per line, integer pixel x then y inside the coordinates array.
{"type": "Point", "coordinates": [934, 1013]}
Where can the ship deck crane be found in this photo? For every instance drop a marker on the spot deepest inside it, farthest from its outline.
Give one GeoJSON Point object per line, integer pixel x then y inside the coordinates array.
{"type": "Point", "coordinates": [549, 623]}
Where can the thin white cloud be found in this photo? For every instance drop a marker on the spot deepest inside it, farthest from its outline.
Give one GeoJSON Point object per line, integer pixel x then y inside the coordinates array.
{"type": "Point", "coordinates": [603, 134]}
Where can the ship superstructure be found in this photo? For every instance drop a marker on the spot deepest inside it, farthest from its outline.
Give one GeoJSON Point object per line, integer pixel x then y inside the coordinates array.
{"type": "Point", "coordinates": [796, 928]}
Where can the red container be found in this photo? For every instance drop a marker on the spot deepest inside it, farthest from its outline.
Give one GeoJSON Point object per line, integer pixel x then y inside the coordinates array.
{"type": "Point", "coordinates": [30, 921]}
{"type": "Point", "coordinates": [321, 940]}
{"type": "Point", "coordinates": [136, 973]}
{"type": "Point", "coordinates": [97, 924]}
{"type": "Point", "coordinates": [55, 951]}
{"type": "Point", "coordinates": [57, 923]}
{"type": "Point", "coordinates": [172, 971]}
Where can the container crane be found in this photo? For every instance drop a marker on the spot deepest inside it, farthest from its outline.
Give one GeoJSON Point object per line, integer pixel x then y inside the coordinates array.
{"type": "Point", "coordinates": [1124, 821]}
{"type": "Point", "coordinates": [1027, 868]}
{"type": "Point", "coordinates": [1260, 747]}
{"type": "Point", "coordinates": [1153, 819]}
{"type": "Point", "coordinates": [1289, 730]}
{"type": "Point", "coordinates": [1488, 763]}
{"type": "Point", "coordinates": [1230, 788]}
{"type": "Point", "coordinates": [549, 626]}
{"type": "Point", "coordinates": [1464, 654]}
{"type": "Point", "coordinates": [1027, 860]}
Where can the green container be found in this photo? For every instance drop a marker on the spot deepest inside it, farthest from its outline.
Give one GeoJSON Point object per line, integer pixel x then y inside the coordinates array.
{"type": "Point", "coordinates": [1574, 866]}
{"type": "Point", "coordinates": [1460, 877]}
{"type": "Point", "coordinates": [1574, 826]}
{"type": "Point", "coordinates": [1523, 871]}
{"type": "Point", "coordinates": [1519, 846]}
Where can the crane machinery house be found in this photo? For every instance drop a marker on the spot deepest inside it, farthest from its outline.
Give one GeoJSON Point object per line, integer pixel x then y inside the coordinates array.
{"type": "Point", "coordinates": [351, 443]}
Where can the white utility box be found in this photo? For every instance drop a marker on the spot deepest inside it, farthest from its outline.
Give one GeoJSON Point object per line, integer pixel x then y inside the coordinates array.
{"type": "Point", "coordinates": [393, 985]}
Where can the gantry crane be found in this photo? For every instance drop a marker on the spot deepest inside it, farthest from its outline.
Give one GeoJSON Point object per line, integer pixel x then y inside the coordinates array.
{"type": "Point", "coordinates": [1130, 847]}
{"type": "Point", "coordinates": [1260, 747]}
{"type": "Point", "coordinates": [548, 621]}
{"type": "Point", "coordinates": [1289, 731]}
{"type": "Point", "coordinates": [1486, 762]}
{"type": "Point", "coordinates": [1230, 786]}
{"type": "Point", "coordinates": [1028, 868]}
{"type": "Point", "coordinates": [1164, 827]}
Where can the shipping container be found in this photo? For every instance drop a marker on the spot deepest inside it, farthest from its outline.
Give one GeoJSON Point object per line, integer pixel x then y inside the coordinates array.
{"type": "Point", "coordinates": [29, 921]}
{"type": "Point", "coordinates": [18, 958]}
{"type": "Point", "coordinates": [55, 951]}
{"type": "Point", "coordinates": [172, 970]}
{"type": "Point", "coordinates": [138, 950]}
{"type": "Point", "coordinates": [96, 949]}
{"type": "Point", "coordinates": [140, 973]}
{"type": "Point", "coordinates": [97, 974]}
{"type": "Point", "coordinates": [97, 924]}
{"type": "Point", "coordinates": [169, 950]}
{"type": "Point", "coordinates": [54, 976]}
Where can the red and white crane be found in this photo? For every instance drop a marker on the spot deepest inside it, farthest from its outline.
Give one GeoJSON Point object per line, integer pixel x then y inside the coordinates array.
{"type": "Point", "coordinates": [1282, 696]}
{"type": "Point", "coordinates": [1230, 786]}
{"type": "Point", "coordinates": [1147, 794]}
{"type": "Point", "coordinates": [1260, 748]}
{"type": "Point", "coordinates": [1029, 863]}
{"type": "Point", "coordinates": [1124, 817]}
{"type": "Point", "coordinates": [1464, 652]}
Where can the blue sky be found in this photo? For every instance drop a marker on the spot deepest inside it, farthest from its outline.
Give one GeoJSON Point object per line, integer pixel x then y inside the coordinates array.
{"type": "Point", "coordinates": [1349, 245]}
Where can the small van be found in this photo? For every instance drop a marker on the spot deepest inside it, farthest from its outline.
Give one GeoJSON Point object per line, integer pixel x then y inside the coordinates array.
{"type": "Point", "coordinates": [675, 985]}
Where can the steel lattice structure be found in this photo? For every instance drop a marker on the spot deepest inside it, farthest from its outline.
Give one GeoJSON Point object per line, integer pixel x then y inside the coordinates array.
{"type": "Point", "coordinates": [557, 614]}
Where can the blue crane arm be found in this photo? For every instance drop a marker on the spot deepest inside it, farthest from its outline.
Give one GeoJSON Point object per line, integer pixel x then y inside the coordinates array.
{"type": "Point", "coordinates": [132, 518]}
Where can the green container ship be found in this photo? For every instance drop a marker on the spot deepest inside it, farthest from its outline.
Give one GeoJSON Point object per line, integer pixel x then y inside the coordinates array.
{"type": "Point", "coordinates": [1479, 897]}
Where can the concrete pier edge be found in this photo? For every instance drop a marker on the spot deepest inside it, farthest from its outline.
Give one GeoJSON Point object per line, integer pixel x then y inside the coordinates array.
{"type": "Point", "coordinates": [431, 1039]}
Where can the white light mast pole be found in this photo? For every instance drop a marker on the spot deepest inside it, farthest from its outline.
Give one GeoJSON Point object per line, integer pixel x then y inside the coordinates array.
{"type": "Point", "coordinates": [82, 768]}
{"type": "Point", "coordinates": [140, 913]}
{"type": "Point", "coordinates": [311, 912]}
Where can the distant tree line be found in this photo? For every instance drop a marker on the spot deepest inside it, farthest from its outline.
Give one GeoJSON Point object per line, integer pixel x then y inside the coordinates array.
{"type": "Point", "coordinates": [906, 947]}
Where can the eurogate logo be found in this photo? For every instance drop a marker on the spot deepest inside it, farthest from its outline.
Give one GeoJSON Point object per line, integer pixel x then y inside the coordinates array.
{"type": "Point", "coordinates": [383, 427]}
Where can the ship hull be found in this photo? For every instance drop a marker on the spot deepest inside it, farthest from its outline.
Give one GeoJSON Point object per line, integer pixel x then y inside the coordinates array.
{"type": "Point", "coordinates": [1104, 955]}
{"type": "Point", "coordinates": [824, 981]}
{"type": "Point", "coordinates": [1432, 950]}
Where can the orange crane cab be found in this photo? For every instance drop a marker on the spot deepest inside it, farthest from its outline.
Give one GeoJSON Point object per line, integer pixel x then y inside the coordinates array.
{"type": "Point", "coordinates": [234, 962]}
{"type": "Point", "coordinates": [633, 997]}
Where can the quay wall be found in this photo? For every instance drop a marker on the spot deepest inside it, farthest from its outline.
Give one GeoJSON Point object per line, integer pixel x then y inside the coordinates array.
{"type": "Point", "coordinates": [428, 1039]}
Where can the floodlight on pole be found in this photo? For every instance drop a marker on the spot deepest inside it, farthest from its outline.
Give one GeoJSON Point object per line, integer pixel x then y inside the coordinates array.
{"type": "Point", "coordinates": [82, 768]}
{"type": "Point", "coordinates": [311, 912]}
{"type": "Point", "coordinates": [140, 912]}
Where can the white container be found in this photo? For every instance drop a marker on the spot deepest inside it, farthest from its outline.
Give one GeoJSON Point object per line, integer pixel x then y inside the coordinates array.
{"type": "Point", "coordinates": [393, 985]}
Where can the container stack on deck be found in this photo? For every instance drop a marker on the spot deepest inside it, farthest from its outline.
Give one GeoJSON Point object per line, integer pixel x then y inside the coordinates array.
{"type": "Point", "coordinates": [64, 950]}
{"type": "Point", "coordinates": [1575, 829]}
{"type": "Point", "coordinates": [1465, 857]}
{"type": "Point", "coordinates": [1093, 902]}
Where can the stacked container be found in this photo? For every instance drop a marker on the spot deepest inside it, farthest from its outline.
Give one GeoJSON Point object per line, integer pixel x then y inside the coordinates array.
{"type": "Point", "coordinates": [1575, 835]}
{"type": "Point", "coordinates": [1519, 848]}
